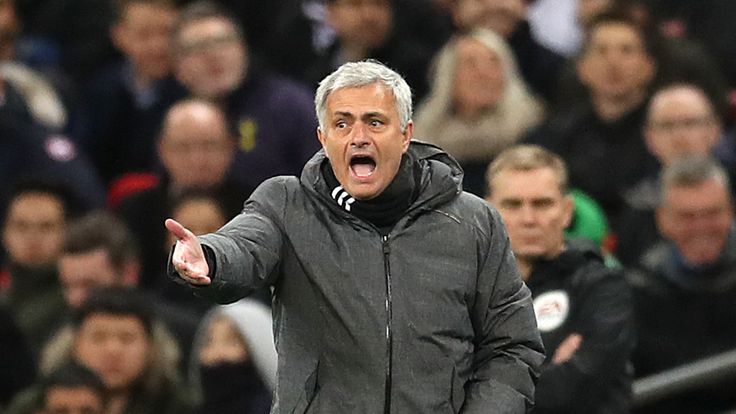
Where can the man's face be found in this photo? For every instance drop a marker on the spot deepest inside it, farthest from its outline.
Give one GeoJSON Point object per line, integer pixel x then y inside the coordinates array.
{"type": "Point", "coordinates": [33, 229]}
{"type": "Point", "coordinates": [143, 35]}
{"type": "Point", "coordinates": [501, 16]}
{"type": "Point", "coordinates": [615, 64]}
{"type": "Point", "coordinates": [81, 273]}
{"type": "Point", "coordinates": [73, 400]}
{"type": "Point", "coordinates": [697, 219]}
{"type": "Point", "coordinates": [681, 123]}
{"type": "Point", "coordinates": [196, 148]}
{"type": "Point", "coordinates": [212, 58]}
{"type": "Point", "coordinates": [479, 77]}
{"type": "Point", "coordinates": [363, 23]}
{"type": "Point", "coordinates": [363, 139]}
{"type": "Point", "coordinates": [115, 347]}
{"type": "Point", "coordinates": [534, 210]}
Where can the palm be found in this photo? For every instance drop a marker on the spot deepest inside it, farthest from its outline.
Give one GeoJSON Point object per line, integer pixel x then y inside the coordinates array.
{"type": "Point", "coordinates": [188, 257]}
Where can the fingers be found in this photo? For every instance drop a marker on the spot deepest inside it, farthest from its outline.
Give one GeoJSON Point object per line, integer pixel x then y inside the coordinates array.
{"type": "Point", "coordinates": [178, 230]}
{"type": "Point", "coordinates": [189, 273]}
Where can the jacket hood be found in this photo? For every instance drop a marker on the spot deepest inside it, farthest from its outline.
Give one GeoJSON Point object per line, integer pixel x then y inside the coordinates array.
{"type": "Point", "coordinates": [441, 180]}
{"type": "Point", "coordinates": [252, 319]}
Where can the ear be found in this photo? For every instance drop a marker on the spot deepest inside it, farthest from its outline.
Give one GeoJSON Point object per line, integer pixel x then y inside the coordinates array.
{"type": "Point", "coordinates": [407, 135]}
{"type": "Point", "coordinates": [649, 69]}
{"type": "Point", "coordinates": [321, 136]}
{"type": "Point", "coordinates": [651, 142]}
{"type": "Point", "coordinates": [568, 210]}
{"type": "Point", "coordinates": [663, 221]}
{"type": "Point", "coordinates": [117, 35]}
{"type": "Point", "coordinates": [581, 67]}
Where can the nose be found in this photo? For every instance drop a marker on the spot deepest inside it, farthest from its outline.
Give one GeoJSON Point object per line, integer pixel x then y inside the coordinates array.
{"type": "Point", "coordinates": [360, 137]}
{"type": "Point", "coordinates": [527, 215]}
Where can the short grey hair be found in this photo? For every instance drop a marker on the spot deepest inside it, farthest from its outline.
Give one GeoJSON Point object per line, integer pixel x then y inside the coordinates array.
{"type": "Point", "coordinates": [692, 171]}
{"type": "Point", "coordinates": [527, 157]}
{"type": "Point", "coordinates": [363, 73]}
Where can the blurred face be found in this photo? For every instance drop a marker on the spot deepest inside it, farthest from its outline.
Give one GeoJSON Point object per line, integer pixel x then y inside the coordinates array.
{"type": "Point", "coordinates": [200, 216]}
{"type": "Point", "coordinates": [681, 123]}
{"type": "Point", "coordinates": [697, 219]}
{"type": "Point", "coordinates": [81, 273]}
{"type": "Point", "coordinates": [534, 210]}
{"type": "Point", "coordinates": [196, 148]}
{"type": "Point", "coordinates": [479, 77]}
{"type": "Point", "coordinates": [362, 23]}
{"type": "Point", "coordinates": [34, 229]}
{"type": "Point", "coordinates": [501, 16]}
{"type": "Point", "coordinates": [363, 139]}
{"type": "Point", "coordinates": [73, 400]}
{"type": "Point", "coordinates": [143, 35]}
{"type": "Point", "coordinates": [115, 347]}
{"type": "Point", "coordinates": [223, 343]}
{"type": "Point", "coordinates": [211, 60]}
{"type": "Point", "coordinates": [615, 64]}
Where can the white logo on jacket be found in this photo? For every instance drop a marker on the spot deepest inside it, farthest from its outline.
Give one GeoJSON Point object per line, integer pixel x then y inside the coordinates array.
{"type": "Point", "coordinates": [551, 309]}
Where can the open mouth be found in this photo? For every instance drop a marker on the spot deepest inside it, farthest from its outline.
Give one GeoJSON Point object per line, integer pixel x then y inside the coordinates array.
{"type": "Point", "coordinates": [362, 166]}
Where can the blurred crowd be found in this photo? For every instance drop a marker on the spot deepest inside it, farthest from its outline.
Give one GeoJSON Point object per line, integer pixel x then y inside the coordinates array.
{"type": "Point", "coordinates": [116, 114]}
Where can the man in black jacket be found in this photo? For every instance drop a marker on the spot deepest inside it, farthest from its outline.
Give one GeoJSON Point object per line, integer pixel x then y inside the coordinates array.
{"type": "Point", "coordinates": [394, 290]}
{"type": "Point", "coordinates": [583, 309]}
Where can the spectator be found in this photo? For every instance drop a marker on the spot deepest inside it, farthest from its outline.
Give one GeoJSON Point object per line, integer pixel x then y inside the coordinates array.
{"type": "Point", "coordinates": [539, 65]}
{"type": "Point", "coordinates": [234, 359]}
{"type": "Point", "coordinates": [680, 59]}
{"type": "Point", "coordinates": [32, 233]}
{"type": "Point", "coordinates": [312, 38]}
{"type": "Point", "coordinates": [681, 121]}
{"type": "Point", "coordinates": [478, 105]}
{"type": "Point", "coordinates": [116, 335]}
{"type": "Point", "coordinates": [71, 389]}
{"type": "Point", "coordinates": [99, 251]}
{"type": "Point", "coordinates": [685, 286]}
{"type": "Point", "coordinates": [583, 308]}
{"type": "Point", "coordinates": [196, 149]}
{"type": "Point", "coordinates": [28, 150]}
{"type": "Point", "coordinates": [274, 117]}
{"type": "Point", "coordinates": [126, 101]}
{"type": "Point", "coordinates": [601, 139]}
{"type": "Point", "coordinates": [70, 34]}
{"type": "Point", "coordinates": [39, 95]}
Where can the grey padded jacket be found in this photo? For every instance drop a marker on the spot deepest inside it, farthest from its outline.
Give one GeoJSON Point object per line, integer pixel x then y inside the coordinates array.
{"type": "Point", "coordinates": [432, 318]}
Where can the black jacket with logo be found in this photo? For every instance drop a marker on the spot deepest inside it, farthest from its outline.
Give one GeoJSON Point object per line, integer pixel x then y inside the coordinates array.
{"type": "Point", "coordinates": [576, 293]}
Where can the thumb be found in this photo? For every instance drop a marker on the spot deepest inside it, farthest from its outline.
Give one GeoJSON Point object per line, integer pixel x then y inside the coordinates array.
{"type": "Point", "coordinates": [178, 230]}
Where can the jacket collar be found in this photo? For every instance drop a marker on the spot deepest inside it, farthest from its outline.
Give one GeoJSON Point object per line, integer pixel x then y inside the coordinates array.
{"type": "Point", "coordinates": [440, 182]}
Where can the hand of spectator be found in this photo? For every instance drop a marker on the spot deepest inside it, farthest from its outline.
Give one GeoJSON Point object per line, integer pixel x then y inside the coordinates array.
{"type": "Point", "coordinates": [188, 257]}
{"type": "Point", "coordinates": [567, 349]}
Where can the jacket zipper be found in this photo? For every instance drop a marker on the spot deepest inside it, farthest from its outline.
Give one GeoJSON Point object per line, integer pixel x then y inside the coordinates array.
{"type": "Point", "coordinates": [389, 334]}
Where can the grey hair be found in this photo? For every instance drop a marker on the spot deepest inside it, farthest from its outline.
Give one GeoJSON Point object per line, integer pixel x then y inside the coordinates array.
{"type": "Point", "coordinates": [363, 73]}
{"type": "Point", "coordinates": [692, 171]}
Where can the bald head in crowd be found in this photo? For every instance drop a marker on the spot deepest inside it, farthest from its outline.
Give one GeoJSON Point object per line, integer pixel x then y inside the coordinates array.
{"type": "Point", "coordinates": [196, 146]}
{"type": "Point", "coordinates": [681, 121]}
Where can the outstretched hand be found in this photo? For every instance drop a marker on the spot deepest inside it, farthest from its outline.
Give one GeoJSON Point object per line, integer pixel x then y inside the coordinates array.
{"type": "Point", "coordinates": [188, 258]}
